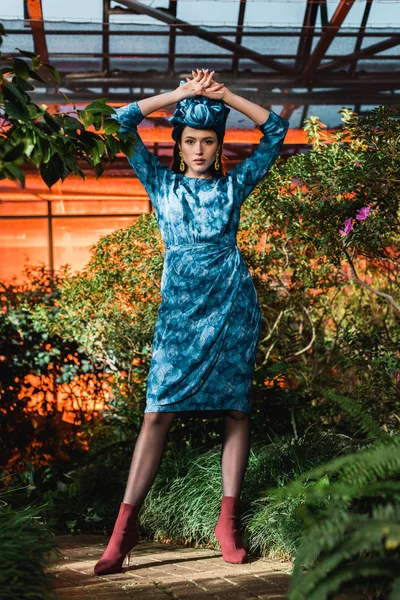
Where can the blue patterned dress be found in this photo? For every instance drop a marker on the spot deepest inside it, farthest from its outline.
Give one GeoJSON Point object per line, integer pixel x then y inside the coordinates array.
{"type": "Point", "coordinates": [209, 320]}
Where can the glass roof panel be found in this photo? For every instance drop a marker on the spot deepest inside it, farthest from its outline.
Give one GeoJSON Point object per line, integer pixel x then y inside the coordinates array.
{"type": "Point", "coordinates": [208, 11]}
{"type": "Point", "coordinates": [272, 28]}
{"type": "Point", "coordinates": [257, 13]}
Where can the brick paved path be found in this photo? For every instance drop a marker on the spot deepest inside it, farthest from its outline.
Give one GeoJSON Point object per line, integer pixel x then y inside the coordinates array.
{"type": "Point", "coordinates": [161, 572]}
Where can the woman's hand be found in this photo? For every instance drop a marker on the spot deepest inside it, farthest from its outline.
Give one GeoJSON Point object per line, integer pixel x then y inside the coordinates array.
{"type": "Point", "coordinates": [213, 89]}
{"type": "Point", "coordinates": [202, 84]}
{"type": "Point", "coordinates": [194, 87]}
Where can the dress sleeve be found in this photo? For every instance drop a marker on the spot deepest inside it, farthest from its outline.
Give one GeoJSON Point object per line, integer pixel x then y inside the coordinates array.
{"type": "Point", "coordinates": [247, 174]}
{"type": "Point", "coordinates": [148, 167]}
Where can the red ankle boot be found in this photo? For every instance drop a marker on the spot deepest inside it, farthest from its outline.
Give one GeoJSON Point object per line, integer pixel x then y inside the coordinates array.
{"type": "Point", "coordinates": [124, 537]}
{"type": "Point", "coordinates": [227, 533]}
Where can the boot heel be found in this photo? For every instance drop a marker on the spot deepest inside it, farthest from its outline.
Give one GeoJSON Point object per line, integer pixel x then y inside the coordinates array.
{"type": "Point", "coordinates": [124, 537]}
{"type": "Point", "coordinates": [128, 558]}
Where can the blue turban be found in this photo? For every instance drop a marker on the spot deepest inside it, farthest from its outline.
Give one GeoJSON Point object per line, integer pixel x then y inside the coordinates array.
{"type": "Point", "coordinates": [199, 112]}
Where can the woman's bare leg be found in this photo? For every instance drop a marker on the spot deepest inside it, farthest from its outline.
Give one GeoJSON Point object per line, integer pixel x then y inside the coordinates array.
{"type": "Point", "coordinates": [147, 455]}
{"type": "Point", "coordinates": [235, 451]}
{"type": "Point", "coordinates": [234, 459]}
{"type": "Point", "coordinates": [146, 460]}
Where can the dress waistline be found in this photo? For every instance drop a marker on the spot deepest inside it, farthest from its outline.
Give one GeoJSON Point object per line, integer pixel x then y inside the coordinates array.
{"type": "Point", "coordinates": [197, 244]}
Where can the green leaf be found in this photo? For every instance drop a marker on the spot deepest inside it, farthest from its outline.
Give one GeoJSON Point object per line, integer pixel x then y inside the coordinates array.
{"type": "Point", "coordinates": [26, 53]}
{"type": "Point", "coordinates": [29, 142]}
{"type": "Point", "coordinates": [25, 85]}
{"type": "Point", "coordinates": [49, 173]}
{"type": "Point", "coordinates": [97, 120]}
{"type": "Point", "coordinates": [71, 123]}
{"type": "Point", "coordinates": [21, 68]}
{"type": "Point", "coordinates": [11, 91]}
{"type": "Point", "coordinates": [87, 139]}
{"type": "Point", "coordinates": [16, 172]}
{"type": "Point", "coordinates": [112, 144]}
{"type": "Point", "coordinates": [14, 152]}
{"type": "Point", "coordinates": [53, 71]}
{"type": "Point", "coordinates": [17, 110]}
{"type": "Point", "coordinates": [86, 118]}
{"type": "Point", "coordinates": [36, 155]}
{"type": "Point", "coordinates": [110, 126]}
{"type": "Point", "coordinates": [71, 164]}
{"type": "Point", "coordinates": [98, 105]}
{"type": "Point", "coordinates": [36, 76]}
{"type": "Point", "coordinates": [100, 146]}
{"type": "Point", "coordinates": [126, 148]}
{"type": "Point", "coordinates": [54, 126]}
{"type": "Point", "coordinates": [81, 173]}
{"type": "Point", "coordinates": [99, 170]}
{"type": "Point", "coordinates": [95, 155]}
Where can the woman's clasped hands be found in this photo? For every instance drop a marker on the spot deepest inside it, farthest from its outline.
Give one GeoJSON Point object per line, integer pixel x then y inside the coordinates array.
{"type": "Point", "coordinates": [203, 84]}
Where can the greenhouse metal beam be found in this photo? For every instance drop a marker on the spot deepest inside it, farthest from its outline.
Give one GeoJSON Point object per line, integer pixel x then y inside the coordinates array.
{"type": "Point", "coordinates": [35, 12]}
{"type": "Point", "coordinates": [394, 40]}
{"type": "Point", "coordinates": [196, 31]}
{"type": "Point", "coordinates": [238, 38]}
{"type": "Point", "coordinates": [106, 37]}
{"type": "Point", "coordinates": [327, 37]}
{"type": "Point", "coordinates": [307, 34]}
{"type": "Point", "coordinates": [345, 97]}
{"type": "Point", "coordinates": [360, 35]}
{"type": "Point", "coordinates": [172, 38]}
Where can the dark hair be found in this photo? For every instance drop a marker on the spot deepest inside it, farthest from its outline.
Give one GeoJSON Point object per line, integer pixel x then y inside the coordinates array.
{"type": "Point", "coordinates": [176, 159]}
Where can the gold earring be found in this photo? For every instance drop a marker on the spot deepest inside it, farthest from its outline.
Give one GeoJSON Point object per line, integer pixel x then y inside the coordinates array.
{"type": "Point", "coordinates": [181, 164]}
{"type": "Point", "coordinates": [216, 164]}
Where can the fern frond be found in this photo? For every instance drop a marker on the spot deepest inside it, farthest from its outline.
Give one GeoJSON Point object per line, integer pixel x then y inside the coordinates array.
{"type": "Point", "coordinates": [378, 461]}
{"type": "Point", "coordinates": [380, 568]}
{"type": "Point", "coordinates": [337, 538]}
{"type": "Point", "coordinates": [362, 535]}
{"type": "Point", "coordinates": [359, 413]}
{"type": "Point", "coordinates": [348, 492]}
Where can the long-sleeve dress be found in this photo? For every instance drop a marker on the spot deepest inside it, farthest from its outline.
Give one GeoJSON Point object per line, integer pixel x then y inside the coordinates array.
{"type": "Point", "coordinates": [209, 320]}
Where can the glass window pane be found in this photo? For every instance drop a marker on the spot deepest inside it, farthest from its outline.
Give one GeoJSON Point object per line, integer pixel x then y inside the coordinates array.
{"type": "Point", "coordinates": [87, 206]}
{"type": "Point", "coordinates": [22, 241]}
{"type": "Point", "coordinates": [22, 207]}
{"type": "Point", "coordinates": [73, 238]}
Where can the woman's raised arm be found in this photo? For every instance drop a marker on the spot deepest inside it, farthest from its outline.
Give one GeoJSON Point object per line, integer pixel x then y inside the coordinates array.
{"type": "Point", "coordinates": [254, 111]}
{"type": "Point", "coordinates": [150, 105]}
{"type": "Point", "coordinates": [149, 169]}
{"type": "Point", "coordinates": [246, 175]}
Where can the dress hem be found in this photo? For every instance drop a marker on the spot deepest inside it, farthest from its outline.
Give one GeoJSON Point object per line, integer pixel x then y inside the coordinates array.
{"type": "Point", "coordinates": [197, 412]}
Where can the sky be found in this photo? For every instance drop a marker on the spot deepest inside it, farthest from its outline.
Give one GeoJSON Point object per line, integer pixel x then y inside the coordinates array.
{"type": "Point", "coordinates": [212, 12]}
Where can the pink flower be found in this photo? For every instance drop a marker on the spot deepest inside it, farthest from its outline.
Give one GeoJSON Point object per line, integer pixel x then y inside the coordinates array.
{"type": "Point", "coordinates": [362, 213]}
{"type": "Point", "coordinates": [357, 163]}
{"type": "Point", "coordinates": [348, 226]}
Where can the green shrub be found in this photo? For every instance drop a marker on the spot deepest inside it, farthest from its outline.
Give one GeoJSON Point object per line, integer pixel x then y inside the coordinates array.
{"type": "Point", "coordinates": [24, 547]}
{"type": "Point", "coordinates": [36, 368]}
{"type": "Point", "coordinates": [349, 510]}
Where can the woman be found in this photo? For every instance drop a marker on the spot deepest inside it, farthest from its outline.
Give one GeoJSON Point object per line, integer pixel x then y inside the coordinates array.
{"type": "Point", "coordinates": [209, 320]}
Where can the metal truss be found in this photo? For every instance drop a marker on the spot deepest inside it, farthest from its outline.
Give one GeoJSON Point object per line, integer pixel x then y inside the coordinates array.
{"type": "Point", "coordinates": [307, 77]}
